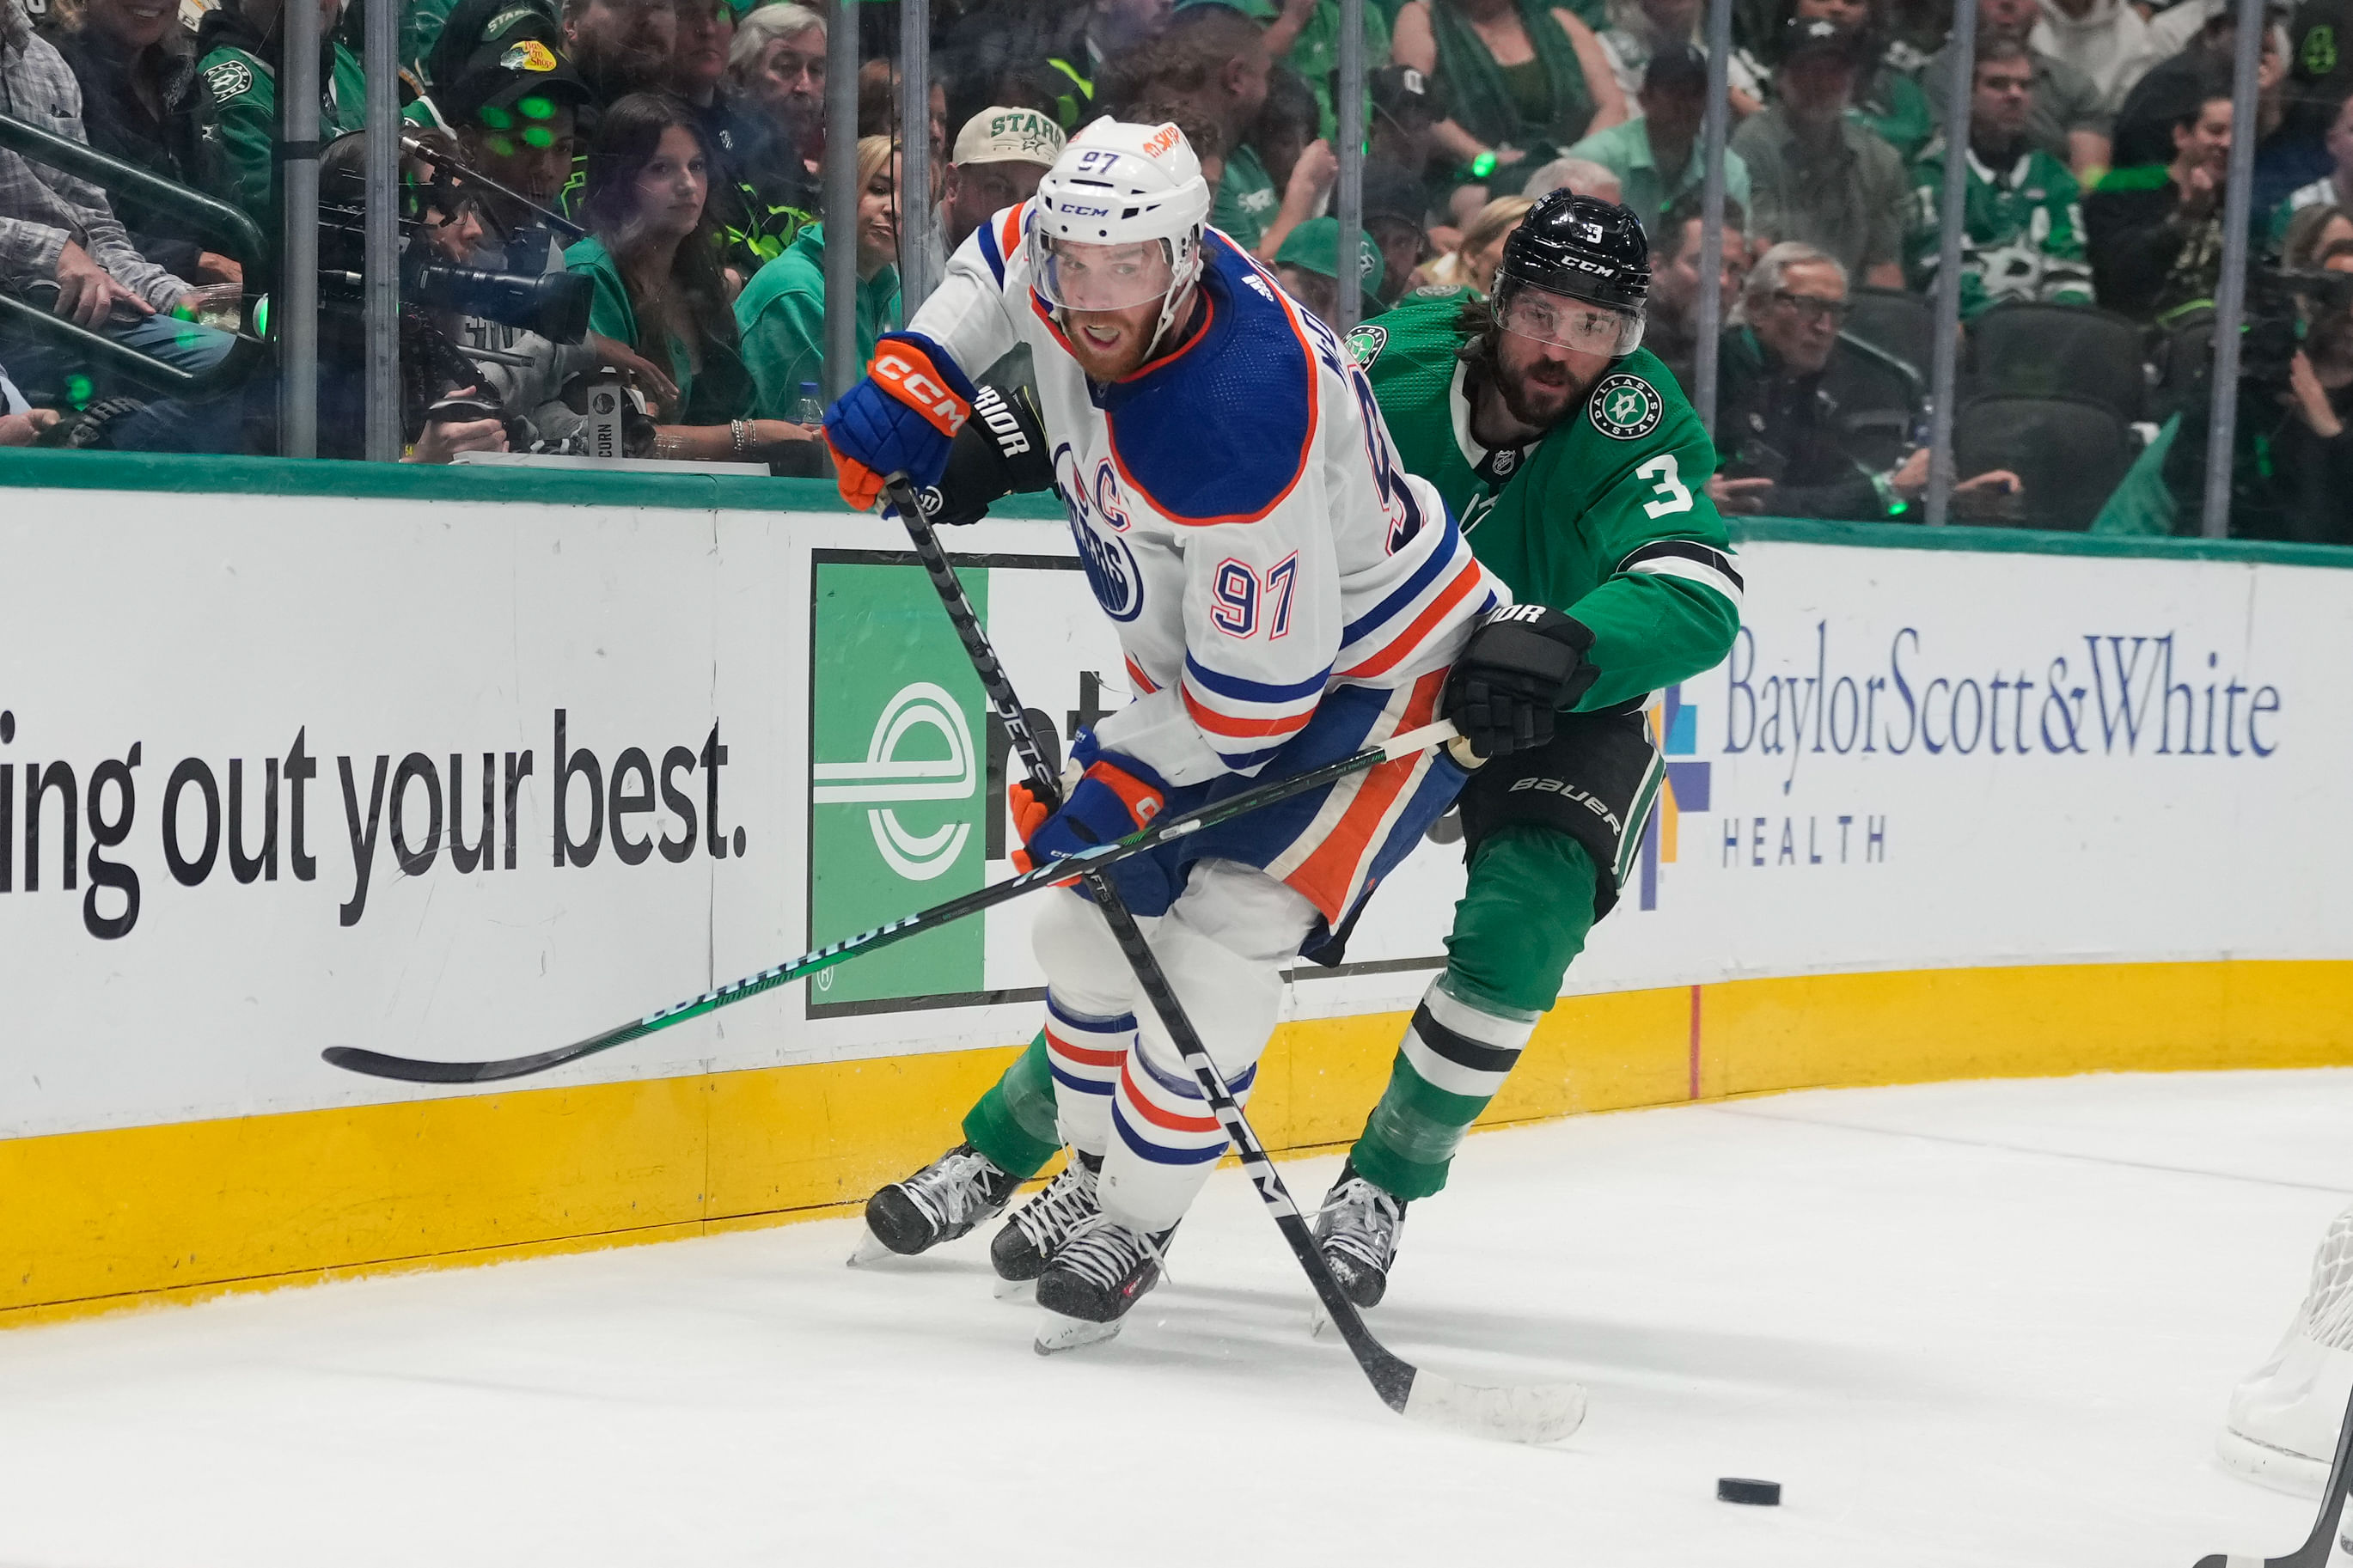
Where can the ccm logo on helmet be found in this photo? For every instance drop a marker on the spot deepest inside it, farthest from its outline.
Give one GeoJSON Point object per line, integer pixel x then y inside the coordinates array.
{"type": "Point", "coordinates": [917, 388]}
{"type": "Point", "coordinates": [1069, 211]}
{"type": "Point", "coordinates": [1160, 141]}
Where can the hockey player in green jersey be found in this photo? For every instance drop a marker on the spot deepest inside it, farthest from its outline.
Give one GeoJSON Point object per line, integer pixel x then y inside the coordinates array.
{"type": "Point", "coordinates": [2022, 226]}
{"type": "Point", "coordinates": [1580, 474]}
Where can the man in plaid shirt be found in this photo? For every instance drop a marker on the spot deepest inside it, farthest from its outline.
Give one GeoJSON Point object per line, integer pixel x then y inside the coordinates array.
{"type": "Point", "coordinates": [60, 243]}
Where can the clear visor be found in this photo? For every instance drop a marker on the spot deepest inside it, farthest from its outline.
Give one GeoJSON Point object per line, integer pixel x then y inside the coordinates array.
{"type": "Point", "coordinates": [1578, 324]}
{"type": "Point", "coordinates": [1076, 277]}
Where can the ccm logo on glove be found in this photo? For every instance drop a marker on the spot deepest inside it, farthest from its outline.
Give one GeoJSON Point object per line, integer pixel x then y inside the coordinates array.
{"type": "Point", "coordinates": [903, 418]}
{"type": "Point", "coordinates": [910, 380]}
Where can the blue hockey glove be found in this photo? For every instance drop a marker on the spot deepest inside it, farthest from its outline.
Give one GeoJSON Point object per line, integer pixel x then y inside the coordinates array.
{"type": "Point", "coordinates": [903, 418]}
{"type": "Point", "coordinates": [1116, 796]}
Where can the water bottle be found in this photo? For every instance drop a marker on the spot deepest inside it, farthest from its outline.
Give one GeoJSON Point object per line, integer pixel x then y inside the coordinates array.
{"type": "Point", "coordinates": [810, 408]}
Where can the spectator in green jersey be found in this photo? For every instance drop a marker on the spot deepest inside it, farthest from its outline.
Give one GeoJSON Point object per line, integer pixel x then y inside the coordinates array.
{"type": "Point", "coordinates": [2022, 230]}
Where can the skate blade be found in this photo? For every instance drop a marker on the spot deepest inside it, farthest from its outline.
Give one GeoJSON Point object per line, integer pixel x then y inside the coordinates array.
{"type": "Point", "coordinates": [1541, 1413]}
{"type": "Point", "coordinates": [870, 1249]}
{"type": "Point", "coordinates": [1058, 1333]}
{"type": "Point", "coordinates": [1014, 1289]}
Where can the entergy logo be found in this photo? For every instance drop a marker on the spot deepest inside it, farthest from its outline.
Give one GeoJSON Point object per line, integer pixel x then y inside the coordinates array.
{"type": "Point", "coordinates": [883, 778]}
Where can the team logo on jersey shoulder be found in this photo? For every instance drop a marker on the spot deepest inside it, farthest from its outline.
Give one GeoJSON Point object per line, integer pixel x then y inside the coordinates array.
{"type": "Point", "coordinates": [1626, 407]}
{"type": "Point", "coordinates": [1366, 344]}
{"type": "Point", "coordinates": [228, 79]}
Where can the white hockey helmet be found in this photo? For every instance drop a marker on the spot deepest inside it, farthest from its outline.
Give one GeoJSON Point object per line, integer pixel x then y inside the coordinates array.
{"type": "Point", "coordinates": [1117, 188]}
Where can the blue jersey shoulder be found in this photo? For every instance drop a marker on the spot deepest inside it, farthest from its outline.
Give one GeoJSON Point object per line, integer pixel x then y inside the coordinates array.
{"type": "Point", "coordinates": [1220, 432]}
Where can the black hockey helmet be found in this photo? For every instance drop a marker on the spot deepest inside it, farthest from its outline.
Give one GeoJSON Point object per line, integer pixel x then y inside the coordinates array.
{"type": "Point", "coordinates": [1585, 248]}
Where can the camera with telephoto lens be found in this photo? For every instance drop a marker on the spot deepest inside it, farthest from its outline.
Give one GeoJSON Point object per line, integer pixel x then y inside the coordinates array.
{"type": "Point", "coordinates": [2290, 311]}
{"type": "Point", "coordinates": [554, 305]}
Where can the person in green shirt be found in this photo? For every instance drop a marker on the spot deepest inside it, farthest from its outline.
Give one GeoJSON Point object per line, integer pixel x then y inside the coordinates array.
{"type": "Point", "coordinates": [654, 257]}
{"type": "Point", "coordinates": [238, 46]}
{"type": "Point", "coordinates": [2022, 228]}
{"type": "Point", "coordinates": [781, 313]}
{"type": "Point", "coordinates": [1657, 155]}
{"type": "Point", "coordinates": [1580, 475]}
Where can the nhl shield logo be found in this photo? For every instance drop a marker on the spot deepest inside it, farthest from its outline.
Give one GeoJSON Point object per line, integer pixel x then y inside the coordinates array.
{"type": "Point", "coordinates": [1626, 407]}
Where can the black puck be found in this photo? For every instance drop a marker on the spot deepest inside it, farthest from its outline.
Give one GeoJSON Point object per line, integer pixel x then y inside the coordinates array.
{"type": "Point", "coordinates": [1756, 1494]}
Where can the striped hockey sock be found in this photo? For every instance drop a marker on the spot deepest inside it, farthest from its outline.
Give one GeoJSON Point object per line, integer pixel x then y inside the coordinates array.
{"type": "Point", "coordinates": [1085, 1053]}
{"type": "Point", "coordinates": [1454, 1059]}
{"type": "Point", "coordinates": [1169, 1140]}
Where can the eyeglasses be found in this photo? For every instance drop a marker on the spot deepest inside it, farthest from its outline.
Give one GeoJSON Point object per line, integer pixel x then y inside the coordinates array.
{"type": "Point", "coordinates": [1812, 307]}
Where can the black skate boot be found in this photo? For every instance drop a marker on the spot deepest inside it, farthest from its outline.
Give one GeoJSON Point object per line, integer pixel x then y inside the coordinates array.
{"type": "Point", "coordinates": [1023, 1249]}
{"type": "Point", "coordinates": [1093, 1279]}
{"type": "Point", "coordinates": [948, 1198]}
{"type": "Point", "coordinates": [1357, 1231]}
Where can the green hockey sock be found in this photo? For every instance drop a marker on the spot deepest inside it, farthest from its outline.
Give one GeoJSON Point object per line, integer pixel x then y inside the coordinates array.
{"type": "Point", "coordinates": [1015, 1123]}
{"type": "Point", "coordinates": [1454, 1059]}
{"type": "Point", "coordinates": [1523, 919]}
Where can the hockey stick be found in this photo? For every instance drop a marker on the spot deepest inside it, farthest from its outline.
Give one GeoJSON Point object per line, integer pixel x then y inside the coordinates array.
{"type": "Point", "coordinates": [1533, 1414]}
{"type": "Point", "coordinates": [2316, 1550]}
{"type": "Point", "coordinates": [1175, 824]}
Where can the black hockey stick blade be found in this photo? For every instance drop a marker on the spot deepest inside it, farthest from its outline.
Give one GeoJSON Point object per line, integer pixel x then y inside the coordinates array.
{"type": "Point", "coordinates": [1529, 1415]}
{"type": "Point", "coordinates": [411, 1069]}
{"type": "Point", "coordinates": [2317, 1548]}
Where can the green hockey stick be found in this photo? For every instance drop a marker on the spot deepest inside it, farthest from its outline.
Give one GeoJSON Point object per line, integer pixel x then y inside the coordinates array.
{"type": "Point", "coordinates": [376, 1064]}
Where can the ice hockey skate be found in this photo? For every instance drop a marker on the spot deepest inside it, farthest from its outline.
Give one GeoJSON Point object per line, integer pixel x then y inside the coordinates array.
{"type": "Point", "coordinates": [1032, 1234]}
{"type": "Point", "coordinates": [1358, 1231]}
{"type": "Point", "coordinates": [1093, 1280]}
{"type": "Point", "coordinates": [948, 1198]}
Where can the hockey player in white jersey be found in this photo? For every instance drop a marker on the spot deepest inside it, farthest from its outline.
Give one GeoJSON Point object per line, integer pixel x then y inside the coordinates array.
{"type": "Point", "coordinates": [1284, 594]}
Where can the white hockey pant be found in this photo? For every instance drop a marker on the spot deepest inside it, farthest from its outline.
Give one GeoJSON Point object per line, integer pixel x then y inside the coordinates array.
{"type": "Point", "coordinates": [1122, 1088]}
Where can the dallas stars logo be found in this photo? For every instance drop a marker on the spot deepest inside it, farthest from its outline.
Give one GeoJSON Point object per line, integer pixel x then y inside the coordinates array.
{"type": "Point", "coordinates": [1364, 345]}
{"type": "Point", "coordinates": [1626, 407]}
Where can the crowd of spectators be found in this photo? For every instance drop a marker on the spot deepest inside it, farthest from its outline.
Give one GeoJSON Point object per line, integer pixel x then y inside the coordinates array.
{"type": "Point", "coordinates": [667, 154]}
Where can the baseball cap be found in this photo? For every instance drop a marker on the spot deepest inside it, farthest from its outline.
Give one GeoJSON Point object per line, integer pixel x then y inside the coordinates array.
{"type": "Point", "coordinates": [1820, 36]}
{"type": "Point", "coordinates": [1679, 66]}
{"type": "Point", "coordinates": [1000, 135]}
{"type": "Point", "coordinates": [511, 81]}
{"type": "Point", "coordinates": [1398, 90]}
{"type": "Point", "coordinates": [1315, 247]}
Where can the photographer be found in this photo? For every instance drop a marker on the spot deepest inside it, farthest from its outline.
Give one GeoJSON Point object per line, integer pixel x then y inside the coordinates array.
{"type": "Point", "coordinates": [2292, 467]}
{"type": "Point", "coordinates": [444, 410]}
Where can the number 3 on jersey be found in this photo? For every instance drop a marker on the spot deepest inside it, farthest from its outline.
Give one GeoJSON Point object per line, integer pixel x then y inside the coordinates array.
{"type": "Point", "coordinates": [1673, 497]}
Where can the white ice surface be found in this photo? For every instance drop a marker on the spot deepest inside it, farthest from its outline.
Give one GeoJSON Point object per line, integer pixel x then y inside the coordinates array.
{"type": "Point", "coordinates": [1965, 1324]}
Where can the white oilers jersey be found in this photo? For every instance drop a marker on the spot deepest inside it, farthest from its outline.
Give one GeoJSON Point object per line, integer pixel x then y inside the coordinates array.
{"type": "Point", "coordinates": [1239, 506]}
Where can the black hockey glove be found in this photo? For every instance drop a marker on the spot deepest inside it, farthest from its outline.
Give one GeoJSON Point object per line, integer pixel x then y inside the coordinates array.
{"type": "Point", "coordinates": [1000, 451]}
{"type": "Point", "coordinates": [1523, 664]}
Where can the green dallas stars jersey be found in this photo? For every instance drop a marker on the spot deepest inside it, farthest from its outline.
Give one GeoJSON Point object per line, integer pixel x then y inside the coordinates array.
{"type": "Point", "coordinates": [238, 117]}
{"type": "Point", "coordinates": [2022, 231]}
{"type": "Point", "coordinates": [1607, 518]}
